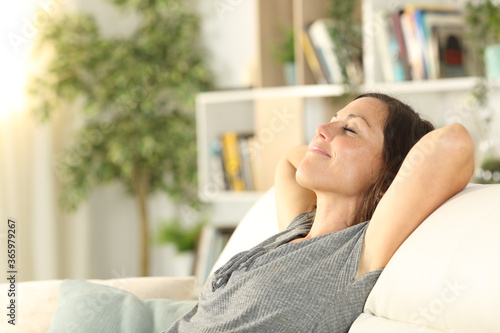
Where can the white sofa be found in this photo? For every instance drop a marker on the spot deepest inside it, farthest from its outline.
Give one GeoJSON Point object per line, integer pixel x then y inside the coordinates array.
{"type": "Point", "coordinates": [442, 279]}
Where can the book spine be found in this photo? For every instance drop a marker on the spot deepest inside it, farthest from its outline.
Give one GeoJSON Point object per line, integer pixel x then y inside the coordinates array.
{"type": "Point", "coordinates": [245, 163]}
{"type": "Point", "coordinates": [403, 53]}
{"type": "Point", "coordinates": [253, 158]}
{"type": "Point", "coordinates": [412, 46]}
{"type": "Point", "coordinates": [312, 58]}
{"type": "Point", "coordinates": [217, 180]}
{"type": "Point", "coordinates": [435, 24]}
{"type": "Point", "coordinates": [419, 31]}
{"type": "Point", "coordinates": [320, 37]}
{"type": "Point", "coordinates": [383, 48]}
{"type": "Point", "coordinates": [232, 162]}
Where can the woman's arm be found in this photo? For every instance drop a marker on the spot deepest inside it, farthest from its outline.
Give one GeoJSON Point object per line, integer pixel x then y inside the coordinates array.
{"type": "Point", "coordinates": [291, 198]}
{"type": "Point", "coordinates": [436, 168]}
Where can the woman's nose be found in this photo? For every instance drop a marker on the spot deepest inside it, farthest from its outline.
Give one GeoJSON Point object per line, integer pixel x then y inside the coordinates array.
{"type": "Point", "coordinates": [325, 132]}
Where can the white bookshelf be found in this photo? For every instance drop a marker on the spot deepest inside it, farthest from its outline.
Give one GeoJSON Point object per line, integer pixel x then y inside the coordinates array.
{"type": "Point", "coordinates": [218, 112]}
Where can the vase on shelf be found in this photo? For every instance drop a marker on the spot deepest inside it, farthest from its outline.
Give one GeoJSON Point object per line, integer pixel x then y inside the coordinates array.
{"type": "Point", "coordinates": [289, 72]}
{"type": "Point", "coordinates": [492, 61]}
{"type": "Point", "coordinates": [167, 261]}
{"type": "Point", "coordinates": [489, 169]}
{"type": "Point", "coordinates": [488, 161]}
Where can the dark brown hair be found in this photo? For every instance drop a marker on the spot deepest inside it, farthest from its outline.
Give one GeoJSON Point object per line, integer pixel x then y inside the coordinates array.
{"type": "Point", "coordinates": [403, 128]}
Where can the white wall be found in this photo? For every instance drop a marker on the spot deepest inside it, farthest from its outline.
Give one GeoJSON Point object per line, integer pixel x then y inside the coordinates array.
{"type": "Point", "coordinates": [229, 32]}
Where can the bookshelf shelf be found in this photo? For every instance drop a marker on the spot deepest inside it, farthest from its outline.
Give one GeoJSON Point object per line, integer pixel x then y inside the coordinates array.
{"type": "Point", "coordinates": [234, 196]}
{"type": "Point", "coordinates": [271, 92]}
{"type": "Point", "coordinates": [427, 86]}
{"type": "Point", "coordinates": [336, 90]}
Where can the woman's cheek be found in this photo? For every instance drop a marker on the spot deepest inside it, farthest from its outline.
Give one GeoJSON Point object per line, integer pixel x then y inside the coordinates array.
{"type": "Point", "coordinates": [307, 173]}
{"type": "Point", "coordinates": [312, 176]}
{"type": "Point", "coordinates": [300, 174]}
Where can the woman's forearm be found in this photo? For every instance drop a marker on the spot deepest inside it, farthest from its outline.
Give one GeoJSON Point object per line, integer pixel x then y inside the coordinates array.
{"type": "Point", "coordinates": [436, 168]}
{"type": "Point", "coordinates": [448, 150]}
{"type": "Point", "coordinates": [291, 198]}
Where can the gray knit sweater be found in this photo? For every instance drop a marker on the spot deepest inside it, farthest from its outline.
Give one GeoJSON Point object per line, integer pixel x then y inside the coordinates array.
{"type": "Point", "coordinates": [278, 286]}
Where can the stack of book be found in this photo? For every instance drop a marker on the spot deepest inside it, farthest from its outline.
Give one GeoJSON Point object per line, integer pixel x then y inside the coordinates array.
{"type": "Point", "coordinates": [234, 160]}
{"type": "Point", "coordinates": [322, 55]}
{"type": "Point", "coordinates": [420, 42]}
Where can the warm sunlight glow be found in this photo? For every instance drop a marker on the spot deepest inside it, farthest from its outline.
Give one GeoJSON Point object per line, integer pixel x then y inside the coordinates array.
{"type": "Point", "coordinates": [17, 31]}
{"type": "Point", "coordinates": [11, 90]}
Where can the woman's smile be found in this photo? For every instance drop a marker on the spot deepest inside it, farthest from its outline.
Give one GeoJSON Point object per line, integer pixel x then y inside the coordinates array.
{"type": "Point", "coordinates": [318, 150]}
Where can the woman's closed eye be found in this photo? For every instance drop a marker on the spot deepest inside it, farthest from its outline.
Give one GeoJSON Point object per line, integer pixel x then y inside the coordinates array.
{"type": "Point", "coordinates": [348, 129]}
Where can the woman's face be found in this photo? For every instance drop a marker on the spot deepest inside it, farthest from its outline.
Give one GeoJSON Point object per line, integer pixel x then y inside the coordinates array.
{"type": "Point", "coordinates": [345, 157]}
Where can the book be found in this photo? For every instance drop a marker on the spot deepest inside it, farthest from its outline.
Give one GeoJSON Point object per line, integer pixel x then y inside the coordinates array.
{"type": "Point", "coordinates": [321, 40]}
{"type": "Point", "coordinates": [413, 47]}
{"type": "Point", "coordinates": [232, 165]}
{"type": "Point", "coordinates": [388, 48]}
{"type": "Point", "coordinates": [313, 55]}
{"type": "Point", "coordinates": [417, 20]}
{"type": "Point", "coordinates": [253, 159]}
{"type": "Point", "coordinates": [422, 54]}
{"type": "Point", "coordinates": [232, 161]}
{"type": "Point", "coordinates": [438, 25]}
{"type": "Point", "coordinates": [450, 45]}
{"type": "Point", "coordinates": [246, 168]}
{"type": "Point", "coordinates": [403, 53]}
{"type": "Point", "coordinates": [218, 180]}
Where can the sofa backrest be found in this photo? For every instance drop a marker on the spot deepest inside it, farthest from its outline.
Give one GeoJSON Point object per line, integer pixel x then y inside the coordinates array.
{"type": "Point", "coordinates": [444, 277]}
{"type": "Point", "coordinates": [259, 223]}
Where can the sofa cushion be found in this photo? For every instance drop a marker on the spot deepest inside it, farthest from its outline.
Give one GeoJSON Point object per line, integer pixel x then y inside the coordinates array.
{"type": "Point", "coordinates": [89, 307]}
{"type": "Point", "coordinates": [444, 277]}
{"type": "Point", "coordinates": [37, 300]}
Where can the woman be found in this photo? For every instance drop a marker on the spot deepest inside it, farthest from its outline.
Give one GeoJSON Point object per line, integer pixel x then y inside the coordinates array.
{"type": "Point", "coordinates": [315, 276]}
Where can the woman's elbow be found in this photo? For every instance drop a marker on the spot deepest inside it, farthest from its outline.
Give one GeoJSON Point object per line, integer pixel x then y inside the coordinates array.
{"type": "Point", "coordinates": [458, 147]}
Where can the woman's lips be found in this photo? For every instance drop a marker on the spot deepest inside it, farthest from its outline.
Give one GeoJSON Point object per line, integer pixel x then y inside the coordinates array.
{"type": "Point", "coordinates": [319, 150]}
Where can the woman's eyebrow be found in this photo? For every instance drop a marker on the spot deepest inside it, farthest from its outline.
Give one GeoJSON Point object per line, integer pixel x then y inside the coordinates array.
{"type": "Point", "coordinates": [352, 115]}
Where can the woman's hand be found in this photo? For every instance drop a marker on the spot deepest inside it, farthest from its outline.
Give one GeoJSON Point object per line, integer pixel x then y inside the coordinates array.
{"type": "Point", "coordinates": [291, 198]}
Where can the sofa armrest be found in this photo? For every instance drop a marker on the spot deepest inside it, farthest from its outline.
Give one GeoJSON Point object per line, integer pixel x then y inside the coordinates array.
{"type": "Point", "coordinates": [36, 301]}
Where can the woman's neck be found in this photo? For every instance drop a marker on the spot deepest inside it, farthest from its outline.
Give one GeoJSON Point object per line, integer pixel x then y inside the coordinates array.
{"type": "Point", "coordinates": [333, 214]}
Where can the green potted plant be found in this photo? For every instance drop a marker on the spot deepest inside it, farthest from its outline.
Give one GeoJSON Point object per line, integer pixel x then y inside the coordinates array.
{"type": "Point", "coordinates": [183, 238]}
{"type": "Point", "coordinates": [489, 172]}
{"type": "Point", "coordinates": [483, 22]}
{"type": "Point", "coordinates": [138, 103]}
{"type": "Point", "coordinates": [284, 53]}
{"type": "Point", "coordinates": [483, 35]}
{"type": "Point", "coordinates": [346, 33]}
